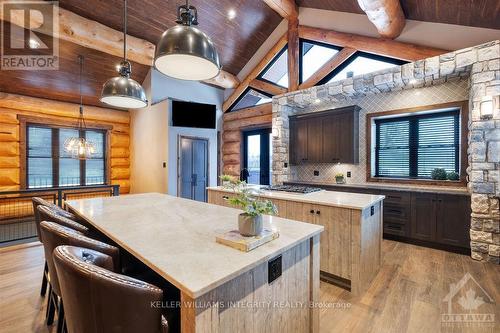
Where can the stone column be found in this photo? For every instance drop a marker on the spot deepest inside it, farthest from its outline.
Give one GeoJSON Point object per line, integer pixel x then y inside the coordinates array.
{"type": "Point", "coordinates": [484, 152]}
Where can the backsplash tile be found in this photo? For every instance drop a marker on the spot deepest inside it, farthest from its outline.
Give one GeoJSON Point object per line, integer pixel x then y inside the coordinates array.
{"type": "Point", "coordinates": [447, 92]}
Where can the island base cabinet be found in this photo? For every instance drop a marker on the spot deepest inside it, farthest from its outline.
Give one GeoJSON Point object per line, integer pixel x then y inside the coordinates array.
{"type": "Point", "coordinates": [248, 303]}
{"type": "Point", "coordinates": [350, 243]}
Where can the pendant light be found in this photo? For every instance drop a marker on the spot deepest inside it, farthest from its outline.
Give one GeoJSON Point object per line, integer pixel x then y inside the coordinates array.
{"type": "Point", "coordinates": [185, 52]}
{"type": "Point", "coordinates": [79, 147]}
{"type": "Point", "coordinates": [122, 91]}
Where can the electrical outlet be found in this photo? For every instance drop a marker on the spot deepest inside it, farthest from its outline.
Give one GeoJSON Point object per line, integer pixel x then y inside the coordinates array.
{"type": "Point", "coordinates": [316, 172]}
{"type": "Point", "coordinates": [348, 174]}
{"type": "Point", "coordinates": [285, 165]}
{"type": "Point", "coordinates": [274, 267]}
{"type": "Point", "coordinates": [164, 165]}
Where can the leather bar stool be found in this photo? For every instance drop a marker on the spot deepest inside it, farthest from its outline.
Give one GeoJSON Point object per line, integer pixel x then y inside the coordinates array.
{"type": "Point", "coordinates": [39, 202]}
{"type": "Point", "coordinates": [53, 235]}
{"type": "Point", "coordinates": [99, 300]}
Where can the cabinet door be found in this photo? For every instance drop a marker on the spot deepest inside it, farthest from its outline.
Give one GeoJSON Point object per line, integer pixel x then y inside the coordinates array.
{"type": "Point", "coordinates": [299, 141]}
{"type": "Point", "coordinates": [453, 220]}
{"type": "Point", "coordinates": [330, 151]}
{"type": "Point", "coordinates": [345, 137]}
{"type": "Point", "coordinates": [314, 139]}
{"type": "Point", "coordinates": [423, 216]}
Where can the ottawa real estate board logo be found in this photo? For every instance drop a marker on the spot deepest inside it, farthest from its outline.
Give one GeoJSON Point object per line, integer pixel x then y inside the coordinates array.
{"type": "Point", "coordinates": [29, 30]}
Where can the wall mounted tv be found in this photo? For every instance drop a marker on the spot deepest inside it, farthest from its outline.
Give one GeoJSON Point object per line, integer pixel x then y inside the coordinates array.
{"type": "Point", "coordinates": [187, 114]}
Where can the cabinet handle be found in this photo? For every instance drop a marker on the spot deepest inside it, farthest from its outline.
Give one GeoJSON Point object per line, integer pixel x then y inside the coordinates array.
{"type": "Point", "coordinates": [311, 211]}
{"type": "Point", "coordinates": [318, 212]}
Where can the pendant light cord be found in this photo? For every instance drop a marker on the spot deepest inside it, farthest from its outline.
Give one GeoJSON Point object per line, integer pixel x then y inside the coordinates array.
{"type": "Point", "coordinates": [81, 121]}
{"type": "Point", "coordinates": [125, 31]}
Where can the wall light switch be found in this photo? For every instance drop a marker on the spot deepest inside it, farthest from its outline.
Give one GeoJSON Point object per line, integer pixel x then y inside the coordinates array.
{"type": "Point", "coordinates": [348, 174]}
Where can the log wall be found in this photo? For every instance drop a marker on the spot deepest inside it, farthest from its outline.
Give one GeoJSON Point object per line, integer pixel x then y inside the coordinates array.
{"type": "Point", "coordinates": [12, 106]}
{"type": "Point", "coordinates": [232, 139]}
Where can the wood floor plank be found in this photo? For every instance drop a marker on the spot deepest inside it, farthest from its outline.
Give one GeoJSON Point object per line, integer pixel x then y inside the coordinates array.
{"type": "Point", "coordinates": [406, 296]}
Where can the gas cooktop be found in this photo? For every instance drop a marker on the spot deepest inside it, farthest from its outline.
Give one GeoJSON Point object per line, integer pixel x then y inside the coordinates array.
{"type": "Point", "coordinates": [292, 188]}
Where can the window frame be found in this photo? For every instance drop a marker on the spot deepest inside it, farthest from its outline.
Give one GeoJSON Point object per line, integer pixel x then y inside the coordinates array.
{"type": "Point", "coordinates": [56, 123]}
{"type": "Point", "coordinates": [301, 56]}
{"type": "Point", "coordinates": [409, 112]}
{"type": "Point", "coordinates": [353, 57]}
{"type": "Point", "coordinates": [271, 64]}
{"type": "Point", "coordinates": [231, 108]}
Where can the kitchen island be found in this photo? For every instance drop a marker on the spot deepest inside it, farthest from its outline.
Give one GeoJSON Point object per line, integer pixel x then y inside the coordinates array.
{"type": "Point", "coordinates": [351, 243]}
{"type": "Point", "coordinates": [222, 289]}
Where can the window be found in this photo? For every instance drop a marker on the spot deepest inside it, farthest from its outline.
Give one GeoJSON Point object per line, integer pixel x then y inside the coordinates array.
{"type": "Point", "coordinates": [361, 63]}
{"type": "Point", "coordinates": [48, 165]}
{"type": "Point", "coordinates": [277, 71]}
{"type": "Point", "coordinates": [413, 146]}
{"type": "Point", "coordinates": [251, 98]}
{"type": "Point", "coordinates": [313, 56]}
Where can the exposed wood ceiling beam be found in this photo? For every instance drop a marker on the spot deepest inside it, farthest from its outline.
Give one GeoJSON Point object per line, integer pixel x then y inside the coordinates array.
{"type": "Point", "coordinates": [293, 54]}
{"type": "Point", "coordinates": [327, 68]}
{"type": "Point", "coordinates": [255, 72]}
{"type": "Point", "coordinates": [94, 35]}
{"type": "Point", "coordinates": [267, 87]}
{"type": "Point", "coordinates": [286, 8]}
{"type": "Point", "coordinates": [386, 15]}
{"type": "Point", "coordinates": [380, 46]}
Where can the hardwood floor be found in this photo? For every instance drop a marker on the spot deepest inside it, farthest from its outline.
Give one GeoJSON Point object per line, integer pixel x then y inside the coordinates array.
{"type": "Point", "coordinates": [406, 296]}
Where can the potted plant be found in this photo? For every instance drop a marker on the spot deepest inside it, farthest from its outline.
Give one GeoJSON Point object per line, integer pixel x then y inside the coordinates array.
{"type": "Point", "coordinates": [453, 176]}
{"type": "Point", "coordinates": [227, 179]}
{"type": "Point", "coordinates": [339, 178]}
{"type": "Point", "coordinates": [250, 221]}
{"type": "Point", "coordinates": [438, 174]}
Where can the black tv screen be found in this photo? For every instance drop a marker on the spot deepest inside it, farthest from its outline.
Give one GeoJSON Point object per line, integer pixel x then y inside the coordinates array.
{"type": "Point", "coordinates": [187, 114]}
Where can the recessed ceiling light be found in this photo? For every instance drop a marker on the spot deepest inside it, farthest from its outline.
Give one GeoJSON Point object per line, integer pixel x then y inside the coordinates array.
{"type": "Point", "coordinates": [34, 44]}
{"type": "Point", "coordinates": [231, 14]}
{"type": "Point", "coordinates": [317, 101]}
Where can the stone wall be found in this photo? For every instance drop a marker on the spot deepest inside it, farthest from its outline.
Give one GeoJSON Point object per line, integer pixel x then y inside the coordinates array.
{"type": "Point", "coordinates": [480, 66]}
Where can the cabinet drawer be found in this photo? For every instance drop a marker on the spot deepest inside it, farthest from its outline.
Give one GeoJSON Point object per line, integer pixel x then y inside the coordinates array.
{"type": "Point", "coordinates": [396, 213]}
{"type": "Point", "coordinates": [396, 198]}
{"type": "Point", "coordinates": [394, 229]}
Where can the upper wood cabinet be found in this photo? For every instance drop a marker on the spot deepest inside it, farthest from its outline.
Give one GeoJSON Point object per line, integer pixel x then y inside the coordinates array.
{"type": "Point", "coordinates": [325, 137]}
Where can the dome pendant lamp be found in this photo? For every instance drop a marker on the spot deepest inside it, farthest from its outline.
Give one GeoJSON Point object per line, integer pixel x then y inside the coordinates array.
{"type": "Point", "coordinates": [184, 51]}
{"type": "Point", "coordinates": [122, 91]}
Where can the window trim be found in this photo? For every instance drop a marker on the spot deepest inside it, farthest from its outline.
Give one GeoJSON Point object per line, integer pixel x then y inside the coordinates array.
{"type": "Point", "coordinates": [231, 108]}
{"type": "Point", "coordinates": [270, 64]}
{"type": "Point", "coordinates": [338, 69]}
{"type": "Point", "coordinates": [51, 122]}
{"type": "Point", "coordinates": [301, 56]}
{"type": "Point", "coordinates": [464, 116]}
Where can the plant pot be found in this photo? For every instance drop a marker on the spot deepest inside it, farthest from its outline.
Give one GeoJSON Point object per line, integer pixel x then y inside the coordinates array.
{"type": "Point", "coordinates": [226, 183]}
{"type": "Point", "coordinates": [248, 225]}
{"type": "Point", "coordinates": [339, 180]}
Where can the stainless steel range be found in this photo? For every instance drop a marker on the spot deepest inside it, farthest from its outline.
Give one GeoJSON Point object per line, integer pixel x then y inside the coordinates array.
{"type": "Point", "coordinates": [292, 188]}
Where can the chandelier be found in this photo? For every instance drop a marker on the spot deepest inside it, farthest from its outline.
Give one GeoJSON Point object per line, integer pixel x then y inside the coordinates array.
{"type": "Point", "coordinates": [79, 147]}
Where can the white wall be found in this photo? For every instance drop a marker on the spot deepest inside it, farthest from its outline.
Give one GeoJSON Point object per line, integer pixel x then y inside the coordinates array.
{"type": "Point", "coordinates": [154, 141]}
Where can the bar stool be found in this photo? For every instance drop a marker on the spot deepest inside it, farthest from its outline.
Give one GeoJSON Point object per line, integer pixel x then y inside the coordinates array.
{"type": "Point", "coordinates": [39, 202]}
{"type": "Point", "coordinates": [53, 235]}
{"type": "Point", "coordinates": [99, 300]}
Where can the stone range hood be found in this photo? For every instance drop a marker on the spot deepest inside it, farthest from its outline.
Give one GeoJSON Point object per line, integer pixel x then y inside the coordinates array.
{"type": "Point", "coordinates": [480, 67]}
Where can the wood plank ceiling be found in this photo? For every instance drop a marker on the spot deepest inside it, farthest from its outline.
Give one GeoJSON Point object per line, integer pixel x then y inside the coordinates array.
{"type": "Point", "coordinates": [475, 13]}
{"type": "Point", "coordinates": [236, 40]}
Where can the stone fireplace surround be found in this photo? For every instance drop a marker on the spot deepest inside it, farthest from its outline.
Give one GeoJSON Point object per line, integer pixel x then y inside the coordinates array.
{"type": "Point", "coordinates": [476, 70]}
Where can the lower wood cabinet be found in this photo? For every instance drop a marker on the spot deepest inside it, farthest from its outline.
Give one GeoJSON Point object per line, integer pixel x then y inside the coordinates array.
{"type": "Point", "coordinates": [438, 220]}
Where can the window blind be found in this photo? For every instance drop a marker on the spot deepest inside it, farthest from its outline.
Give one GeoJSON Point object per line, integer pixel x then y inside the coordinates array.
{"type": "Point", "coordinates": [413, 146]}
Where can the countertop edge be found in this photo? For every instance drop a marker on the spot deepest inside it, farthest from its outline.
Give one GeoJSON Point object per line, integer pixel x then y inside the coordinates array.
{"type": "Point", "coordinates": [305, 200]}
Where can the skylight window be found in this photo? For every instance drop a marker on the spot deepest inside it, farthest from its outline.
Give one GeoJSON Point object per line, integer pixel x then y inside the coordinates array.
{"type": "Point", "coordinates": [251, 98]}
{"type": "Point", "coordinates": [314, 56]}
{"type": "Point", "coordinates": [277, 71]}
{"type": "Point", "coordinates": [363, 65]}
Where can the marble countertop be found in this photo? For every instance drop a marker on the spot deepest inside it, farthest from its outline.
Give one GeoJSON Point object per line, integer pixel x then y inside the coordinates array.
{"type": "Point", "coordinates": [391, 187]}
{"type": "Point", "coordinates": [328, 198]}
{"type": "Point", "coordinates": [176, 237]}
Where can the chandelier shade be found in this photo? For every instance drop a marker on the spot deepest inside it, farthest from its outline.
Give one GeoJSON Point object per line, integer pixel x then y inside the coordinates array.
{"type": "Point", "coordinates": [122, 91]}
{"type": "Point", "coordinates": [185, 52]}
